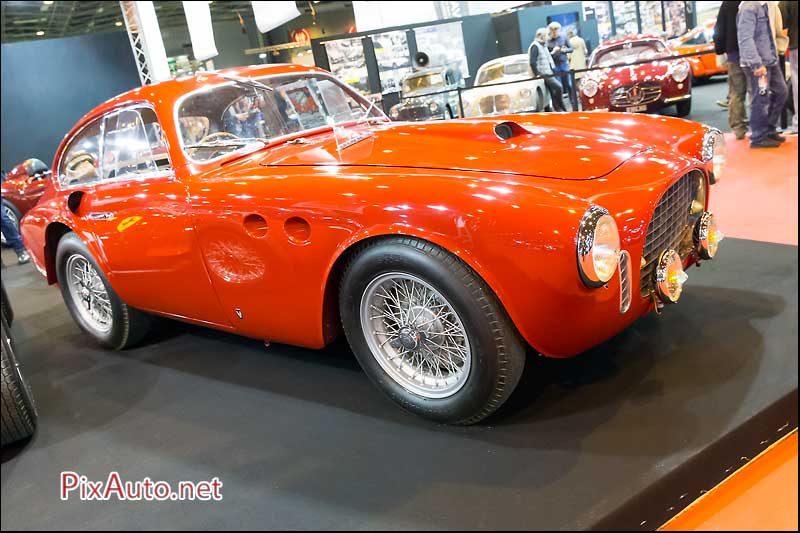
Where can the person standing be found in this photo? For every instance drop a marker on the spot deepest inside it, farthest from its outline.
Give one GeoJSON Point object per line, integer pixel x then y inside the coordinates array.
{"type": "Point", "coordinates": [559, 48]}
{"type": "Point", "coordinates": [789, 15]}
{"type": "Point", "coordinates": [782, 43]}
{"type": "Point", "coordinates": [758, 57]}
{"type": "Point", "coordinates": [577, 59]}
{"type": "Point", "coordinates": [542, 64]}
{"type": "Point", "coordinates": [9, 229]}
{"type": "Point", "coordinates": [726, 43]}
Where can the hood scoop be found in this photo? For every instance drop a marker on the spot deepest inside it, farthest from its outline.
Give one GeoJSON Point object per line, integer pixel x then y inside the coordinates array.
{"type": "Point", "coordinates": [508, 129]}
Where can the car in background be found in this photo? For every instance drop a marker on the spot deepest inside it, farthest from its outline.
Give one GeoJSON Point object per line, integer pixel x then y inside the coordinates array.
{"type": "Point", "coordinates": [429, 94]}
{"type": "Point", "coordinates": [495, 92]}
{"type": "Point", "coordinates": [697, 40]}
{"type": "Point", "coordinates": [444, 251]}
{"type": "Point", "coordinates": [621, 83]}
{"type": "Point", "coordinates": [22, 188]}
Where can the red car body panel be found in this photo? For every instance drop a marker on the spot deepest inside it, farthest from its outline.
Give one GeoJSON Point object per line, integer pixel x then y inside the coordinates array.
{"type": "Point", "coordinates": [656, 73]}
{"type": "Point", "coordinates": [705, 65]}
{"type": "Point", "coordinates": [194, 246]}
{"type": "Point", "coordinates": [23, 190]}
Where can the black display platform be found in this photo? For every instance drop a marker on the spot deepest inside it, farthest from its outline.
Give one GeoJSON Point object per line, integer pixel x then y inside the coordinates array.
{"type": "Point", "coordinates": [301, 439]}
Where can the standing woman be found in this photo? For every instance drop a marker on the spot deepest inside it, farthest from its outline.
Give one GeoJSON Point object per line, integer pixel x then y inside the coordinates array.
{"type": "Point", "coordinates": [577, 59]}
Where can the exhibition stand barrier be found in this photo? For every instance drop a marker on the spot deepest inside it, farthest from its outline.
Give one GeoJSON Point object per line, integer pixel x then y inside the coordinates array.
{"type": "Point", "coordinates": [574, 97]}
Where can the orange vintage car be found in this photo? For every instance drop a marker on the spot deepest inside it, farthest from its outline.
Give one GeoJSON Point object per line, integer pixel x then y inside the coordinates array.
{"type": "Point", "coordinates": [277, 203]}
{"type": "Point", "coordinates": [700, 39]}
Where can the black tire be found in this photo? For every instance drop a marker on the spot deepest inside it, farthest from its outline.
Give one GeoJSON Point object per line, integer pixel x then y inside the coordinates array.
{"type": "Point", "coordinates": [497, 351]}
{"type": "Point", "coordinates": [449, 111]}
{"type": "Point", "coordinates": [129, 325]}
{"type": "Point", "coordinates": [7, 310]}
{"type": "Point", "coordinates": [18, 408]}
{"type": "Point", "coordinates": [11, 207]}
{"type": "Point", "coordinates": [539, 100]}
{"type": "Point", "coordinates": [683, 109]}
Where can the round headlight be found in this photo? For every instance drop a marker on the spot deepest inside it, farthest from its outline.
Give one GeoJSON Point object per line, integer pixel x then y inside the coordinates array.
{"type": "Point", "coordinates": [715, 150]}
{"type": "Point", "coordinates": [524, 93]}
{"type": "Point", "coordinates": [670, 276]}
{"type": "Point", "coordinates": [598, 247]}
{"type": "Point", "coordinates": [680, 71]}
{"type": "Point", "coordinates": [707, 236]}
{"type": "Point", "coordinates": [394, 112]}
{"type": "Point", "coordinates": [589, 87]}
{"type": "Point", "coordinates": [434, 107]}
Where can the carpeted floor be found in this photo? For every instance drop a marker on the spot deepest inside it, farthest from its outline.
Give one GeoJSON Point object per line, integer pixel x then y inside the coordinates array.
{"type": "Point", "coordinates": [300, 439]}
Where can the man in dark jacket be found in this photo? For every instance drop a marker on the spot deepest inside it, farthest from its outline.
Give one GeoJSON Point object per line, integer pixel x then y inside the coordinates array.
{"type": "Point", "coordinates": [789, 14]}
{"type": "Point", "coordinates": [726, 42]}
{"type": "Point", "coordinates": [758, 57]}
{"type": "Point", "coordinates": [542, 64]}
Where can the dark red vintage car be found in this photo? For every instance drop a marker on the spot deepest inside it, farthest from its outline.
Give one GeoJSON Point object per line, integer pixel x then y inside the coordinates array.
{"type": "Point", "coordinates": [276, 202]}
{"type": "Point", "coordinates": [22, 188]}
{"type": "Point", "coordinates": [622, 85]}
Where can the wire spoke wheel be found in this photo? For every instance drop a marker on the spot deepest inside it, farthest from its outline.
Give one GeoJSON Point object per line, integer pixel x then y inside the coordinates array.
{"type": "Point", "coordinates": [89, 293]}
{"type": "Point", "coordinates": [415, 335]}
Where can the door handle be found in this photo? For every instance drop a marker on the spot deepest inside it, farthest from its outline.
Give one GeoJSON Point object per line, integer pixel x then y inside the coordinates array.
{"type": "Point", "coordinates": [103, 215]}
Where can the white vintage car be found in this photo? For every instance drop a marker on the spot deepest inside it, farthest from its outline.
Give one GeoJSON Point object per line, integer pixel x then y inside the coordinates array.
{"type": "Point", "coordinates": [492, 95]}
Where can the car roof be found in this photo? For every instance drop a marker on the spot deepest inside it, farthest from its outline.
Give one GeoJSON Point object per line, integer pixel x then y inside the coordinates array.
{"type": "Point", "coordinates": [166, 93]}
{"type": "Point", "coordinates": [632, 38]}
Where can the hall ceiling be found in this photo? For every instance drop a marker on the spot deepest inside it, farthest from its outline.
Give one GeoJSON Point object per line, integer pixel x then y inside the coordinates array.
{"type": "Point", "coordinates": [21, 20]}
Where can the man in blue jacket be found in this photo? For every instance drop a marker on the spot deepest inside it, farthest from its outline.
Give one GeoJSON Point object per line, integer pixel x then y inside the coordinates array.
{"type": "Point", "coordinates": [758, 56]}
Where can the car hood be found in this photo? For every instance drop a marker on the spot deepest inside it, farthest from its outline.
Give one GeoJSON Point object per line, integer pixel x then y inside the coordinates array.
{"type": "Point", "coordinates": [614, 76]}
{"type": "Point", "coordinates": [470, 145]}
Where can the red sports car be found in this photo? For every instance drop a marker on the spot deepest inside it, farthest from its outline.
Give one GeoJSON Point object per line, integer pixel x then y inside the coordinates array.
{"type": "Point", "coordinates": [700, 39]}
{"type": "Point", "coordinates": [625, 84]}
{"type": "Point", "coordinates": [441, 250]}
{"type": "Point", "coordinates": [22, 188]}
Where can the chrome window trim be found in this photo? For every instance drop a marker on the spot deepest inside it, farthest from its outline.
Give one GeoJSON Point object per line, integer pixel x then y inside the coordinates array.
{"type": "Point", "coordinates": [709, 139]}
{"type": "Point", "coordinates": [103, 117]}
{"type": "Point", "coordinates": [267, 142]}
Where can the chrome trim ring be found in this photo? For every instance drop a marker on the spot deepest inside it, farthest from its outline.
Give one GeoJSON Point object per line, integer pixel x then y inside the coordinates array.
{"type": "Point", "coordinates": [705, 249]}
{"type": "Point", "coordinates": [669, 260]}
{"type": "Point", "coordinates": [89, 294]}
{"type": "Point", "coordinates": [415, 335]}
{"type": "Point", "coordinates": [584, 244]}
{"type": "Point", "coordinates": [709, 138]}
{"type": "Point", "coordinates": [13, 216]}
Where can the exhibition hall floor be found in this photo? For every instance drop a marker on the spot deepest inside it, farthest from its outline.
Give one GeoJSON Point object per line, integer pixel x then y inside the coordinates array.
{"type": "Point", "coordinates": [623, 436]}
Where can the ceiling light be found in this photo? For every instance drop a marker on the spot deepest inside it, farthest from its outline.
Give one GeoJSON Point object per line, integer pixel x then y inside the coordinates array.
{"type": "Point", "coordinates": [48, 3]}
{"type": "Point", "coordinates": [262, 55]}
{"type": "Point", "coordinates": [40, 33]}
{"type": "Point", "coordinates": [118, 23]}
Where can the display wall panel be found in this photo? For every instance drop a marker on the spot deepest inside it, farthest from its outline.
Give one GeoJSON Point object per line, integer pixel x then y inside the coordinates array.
{"type": "Point", "coordinates": [72, 76]}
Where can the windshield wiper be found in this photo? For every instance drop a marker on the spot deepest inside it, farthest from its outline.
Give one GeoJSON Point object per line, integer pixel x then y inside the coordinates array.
{"type": "Point", "coordinates": [253, 84]}
{"type": "Point", "coordinates": [230, 142]}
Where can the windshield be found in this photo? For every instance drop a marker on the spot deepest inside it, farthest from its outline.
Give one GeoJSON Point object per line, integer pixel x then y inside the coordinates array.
{"type": "Point", "coordinates": [231, 116]}
{"type": "Point", "coordinates": [498, 71]}
{"type": "Point", "coordinates": [629, 52]}
{"type": "Point", "coordinates": [416, 83]}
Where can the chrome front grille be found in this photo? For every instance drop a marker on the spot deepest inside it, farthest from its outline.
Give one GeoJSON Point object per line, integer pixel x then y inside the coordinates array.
{"type": "Point", "coordinates": [671, 225]}
{"type": "Point", "coordinates": [636, 94]}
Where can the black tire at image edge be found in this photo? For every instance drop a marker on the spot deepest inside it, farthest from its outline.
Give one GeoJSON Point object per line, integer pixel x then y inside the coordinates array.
{"type": "Point", "coordinates": [18, 408]}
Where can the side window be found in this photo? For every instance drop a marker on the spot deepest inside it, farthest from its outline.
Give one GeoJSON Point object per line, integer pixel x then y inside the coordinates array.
{"type": "Point", "coordinates": [80, 163]}
{"type": "Point", "coordinates": [133, 144]}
